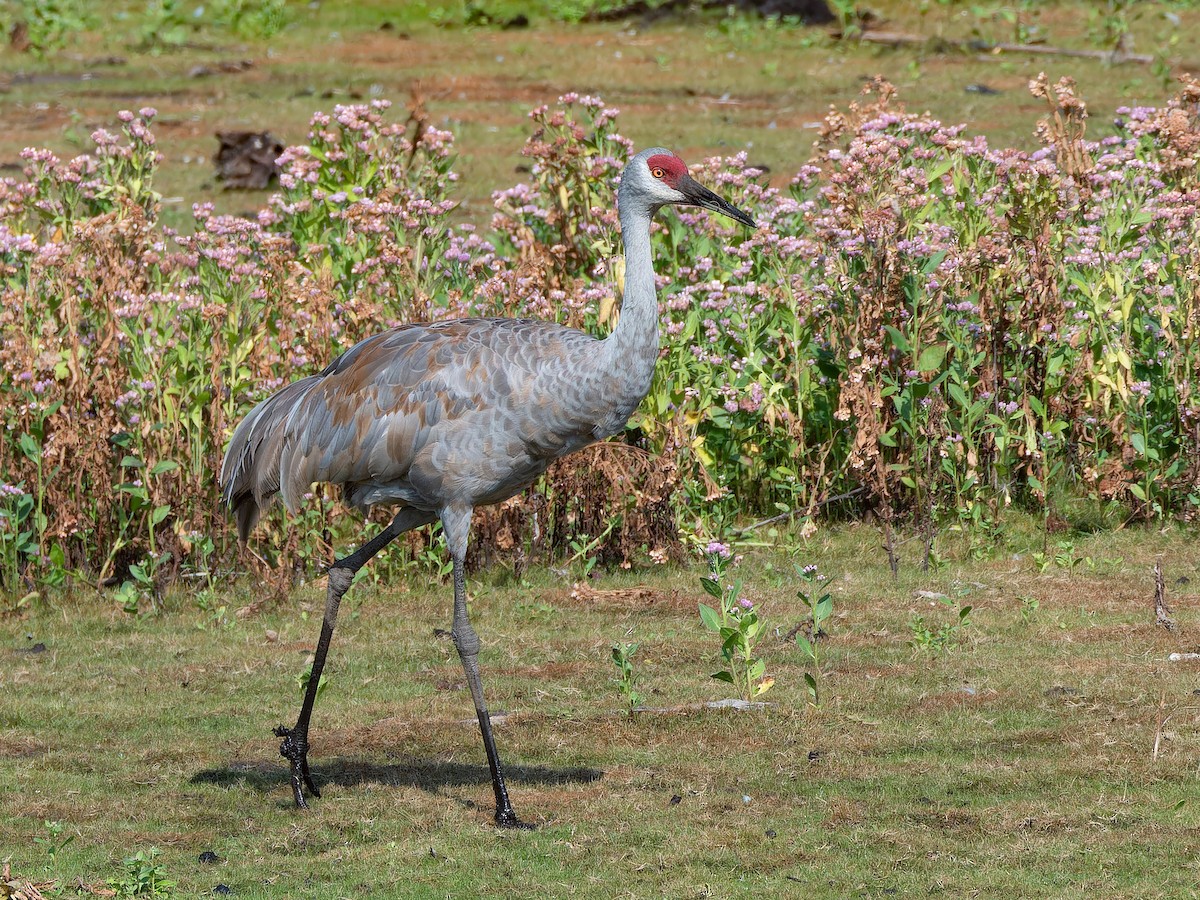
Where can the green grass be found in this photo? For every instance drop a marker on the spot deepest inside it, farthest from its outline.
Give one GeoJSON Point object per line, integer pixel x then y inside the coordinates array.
{"type": "Point", "coordinates": [156, 732]}
{"type": "Point", "coordinates": [961, 774]}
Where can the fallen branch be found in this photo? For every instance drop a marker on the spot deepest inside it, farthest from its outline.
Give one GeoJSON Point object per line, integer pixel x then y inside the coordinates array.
{"type": "Point", "coordinates": [20, 888]}
{"type": "Point", "coordinates": [812, 12]}
{"type": "Point", "coordinates": [1163, 715]}
{"type": "Point", "coordinates": [1162, 612]}
{"type": "Point", "coordinates": [799, 512]}
{"type": "Point", "coordinates": [900, 39]}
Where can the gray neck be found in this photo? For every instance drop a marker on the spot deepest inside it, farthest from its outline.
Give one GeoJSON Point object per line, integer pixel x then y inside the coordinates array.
{"type": "Point", "coordinates": [631, 350]}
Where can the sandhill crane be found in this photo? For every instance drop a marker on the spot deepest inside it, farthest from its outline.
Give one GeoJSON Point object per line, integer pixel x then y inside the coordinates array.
{"type": "Point", "coordinates": [439, 418]}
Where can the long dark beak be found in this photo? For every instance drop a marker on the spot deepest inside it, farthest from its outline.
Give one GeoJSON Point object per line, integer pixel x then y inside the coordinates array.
{"type": "Point", "coordinates": [698, 195]}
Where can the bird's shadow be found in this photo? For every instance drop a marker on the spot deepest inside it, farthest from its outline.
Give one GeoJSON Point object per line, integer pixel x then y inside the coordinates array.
{"type": "Point", "coordinates": [428, 775]}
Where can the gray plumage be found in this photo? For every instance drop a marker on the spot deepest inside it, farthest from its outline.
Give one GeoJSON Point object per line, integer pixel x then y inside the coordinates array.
{"type": "Point", "coordinates": [469, 411]}
{"type": "Point", "coordinates": [436, 419]}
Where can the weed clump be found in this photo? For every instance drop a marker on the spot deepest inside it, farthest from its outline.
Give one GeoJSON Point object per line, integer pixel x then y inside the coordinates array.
{"type": "Point", "coordinates": [923, 327]}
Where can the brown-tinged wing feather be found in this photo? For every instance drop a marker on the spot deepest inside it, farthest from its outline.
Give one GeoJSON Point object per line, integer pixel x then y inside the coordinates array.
{"type": "Point", "coordinates": [470, 410]}
{"type": "Point", "coordinates": [250, 473]}
{"type": "Point", "coordinates": [466, 411]}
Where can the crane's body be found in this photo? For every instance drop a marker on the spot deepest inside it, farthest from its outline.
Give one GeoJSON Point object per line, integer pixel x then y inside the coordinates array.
{"type": "Point", "coordinates": [472, 410]}
{"type": "Point", "coordinates": [435, 419]}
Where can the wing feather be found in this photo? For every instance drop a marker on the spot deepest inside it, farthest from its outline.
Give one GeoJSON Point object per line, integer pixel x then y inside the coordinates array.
{"type": "Point", "coordinates": [473, 408]}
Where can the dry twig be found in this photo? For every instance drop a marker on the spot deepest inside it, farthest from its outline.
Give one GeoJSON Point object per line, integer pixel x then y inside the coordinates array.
{"type": "Point", "coordinates": [900, 39]}
{"type": "Point", "coordinates": [1162, 612]}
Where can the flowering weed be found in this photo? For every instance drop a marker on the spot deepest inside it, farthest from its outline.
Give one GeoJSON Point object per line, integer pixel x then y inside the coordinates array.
{"type": "Point", "coordinates": [923, 326]}
{"type": "Point", "coordinates": [819, 610]}
{"type": "Point", "coordinates": [737, 624]}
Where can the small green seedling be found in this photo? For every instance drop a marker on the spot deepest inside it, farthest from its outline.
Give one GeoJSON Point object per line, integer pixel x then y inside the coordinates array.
{"type": "Point", "coordinates": [626, 680]}
{"type": "Point", "coordinates": [926, 640]}
{"type": "Point", "coordinates": [819, 609]}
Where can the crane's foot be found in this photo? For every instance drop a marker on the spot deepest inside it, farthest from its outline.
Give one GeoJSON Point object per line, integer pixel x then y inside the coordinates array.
{"type": "Point", "coordinates": [294, 748]}
{"type": "Point", "coordinates": [506, 818]}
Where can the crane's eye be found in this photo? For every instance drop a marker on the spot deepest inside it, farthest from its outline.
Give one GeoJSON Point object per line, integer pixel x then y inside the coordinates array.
{"type": "Point", "coordinates": [657, 172]}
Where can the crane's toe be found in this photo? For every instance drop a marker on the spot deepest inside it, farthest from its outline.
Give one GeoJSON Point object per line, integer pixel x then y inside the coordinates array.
{"type": "Point", "coordinates": [507, 818]}
{"type": "Point", "coordinates": [294, 748]}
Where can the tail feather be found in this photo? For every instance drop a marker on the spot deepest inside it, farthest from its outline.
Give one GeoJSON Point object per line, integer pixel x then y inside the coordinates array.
{"type": "Point", "coordinates": [250, 474]}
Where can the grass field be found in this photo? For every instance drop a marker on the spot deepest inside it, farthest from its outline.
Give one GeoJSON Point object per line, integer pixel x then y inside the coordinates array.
{"type": "Point", "coordinates": [1047, 749]}
{"type": "Point", "coordinates": [1050, 753]}
{"type": "Point", "coordinates": [704, 85]}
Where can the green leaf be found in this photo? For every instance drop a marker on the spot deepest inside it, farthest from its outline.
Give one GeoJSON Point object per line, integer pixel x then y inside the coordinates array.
{"type": "Point", "coordinates": [936, 260]}
{"type": "Point", "coordinates": [806, 647]}
{"type": "Point", "coordinates": [823, 609]}
{"type": "Point", "coordinates": [935, 174]}
{"type": "Point", "coordinates": [166, 465]}
{"type": "Point", "coordinates": [160, 513]}
{"type": "Point", "coordinates": [931, 358]}
{"type": "Point", "coordinates": [26, 544]}
{"type": "Point", "coordinates": [1138, 440]}
{"type": "Point", "coordinates": [756, 671]}
{"type": "Point", "coordinates": [132, 462]}
{"type": "Point", "coordinates": [899, 341]}
{"type": "Point", "coordinates": [733, 641]}
{"type": "Point", "coordinates": [711, 587]}
{"type": "Point", "coordinates": [709, 616]}
{"type": "Point", "coordinates": [723, 676]}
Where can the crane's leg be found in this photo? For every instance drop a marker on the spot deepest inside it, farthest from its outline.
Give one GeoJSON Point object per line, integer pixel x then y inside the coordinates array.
{"type": "Point", "coordinates": [294, 747]}
{"type": "Point", "coordinates": [456, 524]}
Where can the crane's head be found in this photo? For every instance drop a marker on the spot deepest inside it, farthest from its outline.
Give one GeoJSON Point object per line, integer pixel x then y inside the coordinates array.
{"type": "Point", "coordinates": [660, 178]}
